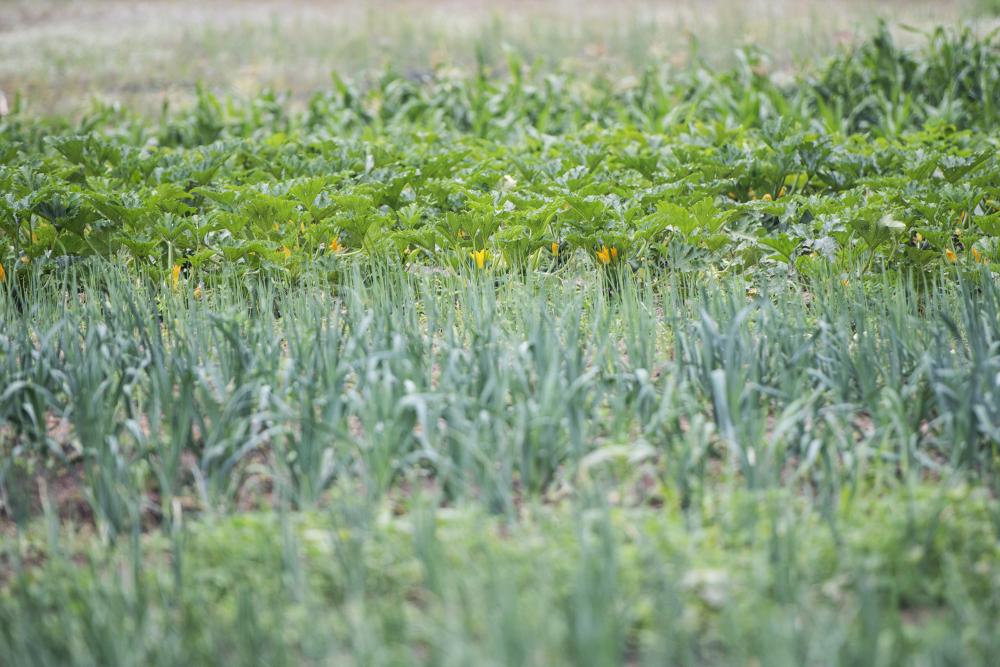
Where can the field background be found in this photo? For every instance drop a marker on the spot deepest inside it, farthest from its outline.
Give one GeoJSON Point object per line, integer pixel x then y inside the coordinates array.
{"type": "Point", "coordinates": [60, 55]}
{"type": "Point", "coordinates": [678, 344]}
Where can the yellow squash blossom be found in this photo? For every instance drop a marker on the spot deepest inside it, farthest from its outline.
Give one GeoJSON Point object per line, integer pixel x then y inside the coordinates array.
{"type": "Point", "coordinates": [614, 252]}
{"type": "Point", "coordinates": [3, 273]}
{"type": "Point", "coordinates": [555, 248]}
{"type": "Point", "coordinates": [479, 257]}
{"type": "Point", "coordinates": [604, 255]}
{"type": "Point", "coordinates": [175, 275]}
{"type": "Point", "coordinates": [767, 196]}
{"type": "Point", "coordinates": [335, 246]}
{"type": "Point", "coordinates": [781, 192]}
{"type": "Point", "coordinates": [950, 254]}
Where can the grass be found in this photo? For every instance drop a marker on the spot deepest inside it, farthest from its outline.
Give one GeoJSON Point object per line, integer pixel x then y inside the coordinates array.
{"type": "Point", "coordinates": [60, 55]}
{"type": "Point", "coordinates": [756, 578]}
{"type": "Point", "coordinates": [518, 362]}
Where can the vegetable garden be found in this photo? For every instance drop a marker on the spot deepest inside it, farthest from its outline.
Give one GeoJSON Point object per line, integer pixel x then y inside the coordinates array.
{"type": "Point", "coordinates": [512, 366]}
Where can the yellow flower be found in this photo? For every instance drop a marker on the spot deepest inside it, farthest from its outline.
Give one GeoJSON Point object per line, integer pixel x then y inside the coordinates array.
{"type": "Point", "coordinates": [175, 275]}
{"type": "Point", "coordinates": [604, 255]}
{"type": "Point", "coordinates": [479, 257]}
{"type": "Point", "coordinates": [767, 196]}
{"type": "Point", "coordinates": [286, 251]}
{"type": "Point", "coordinates": [555, 247]}
{"type": "Point", "coordinates": [335, 246]}
{"type": "Point", "coordinates": [614, 252]}
{"type": "Point", "coordinates": [3, 273]}
{"type": "Point", "coordinates": [845, 282]}
{"type": "Point", "coordinates": [950, 254]}
{"type": "Point", "coordinates": [781, 192]}
{"type": "Point", "coordinates": [978, 257]}
{"type": "Point", "coordinates": [197, 293]}
{"type": "Point", "coordinates": [918, 238]}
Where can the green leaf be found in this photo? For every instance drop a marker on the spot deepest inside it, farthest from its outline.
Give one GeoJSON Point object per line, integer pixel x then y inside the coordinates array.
{"type": "Point", "coordinates": [783, 245]}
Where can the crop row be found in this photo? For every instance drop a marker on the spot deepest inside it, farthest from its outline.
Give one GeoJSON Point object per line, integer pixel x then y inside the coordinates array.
{"type": "Point", "coordinates": [492, 392]}
{"type": "Point", "coordinates": [882, 159]}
